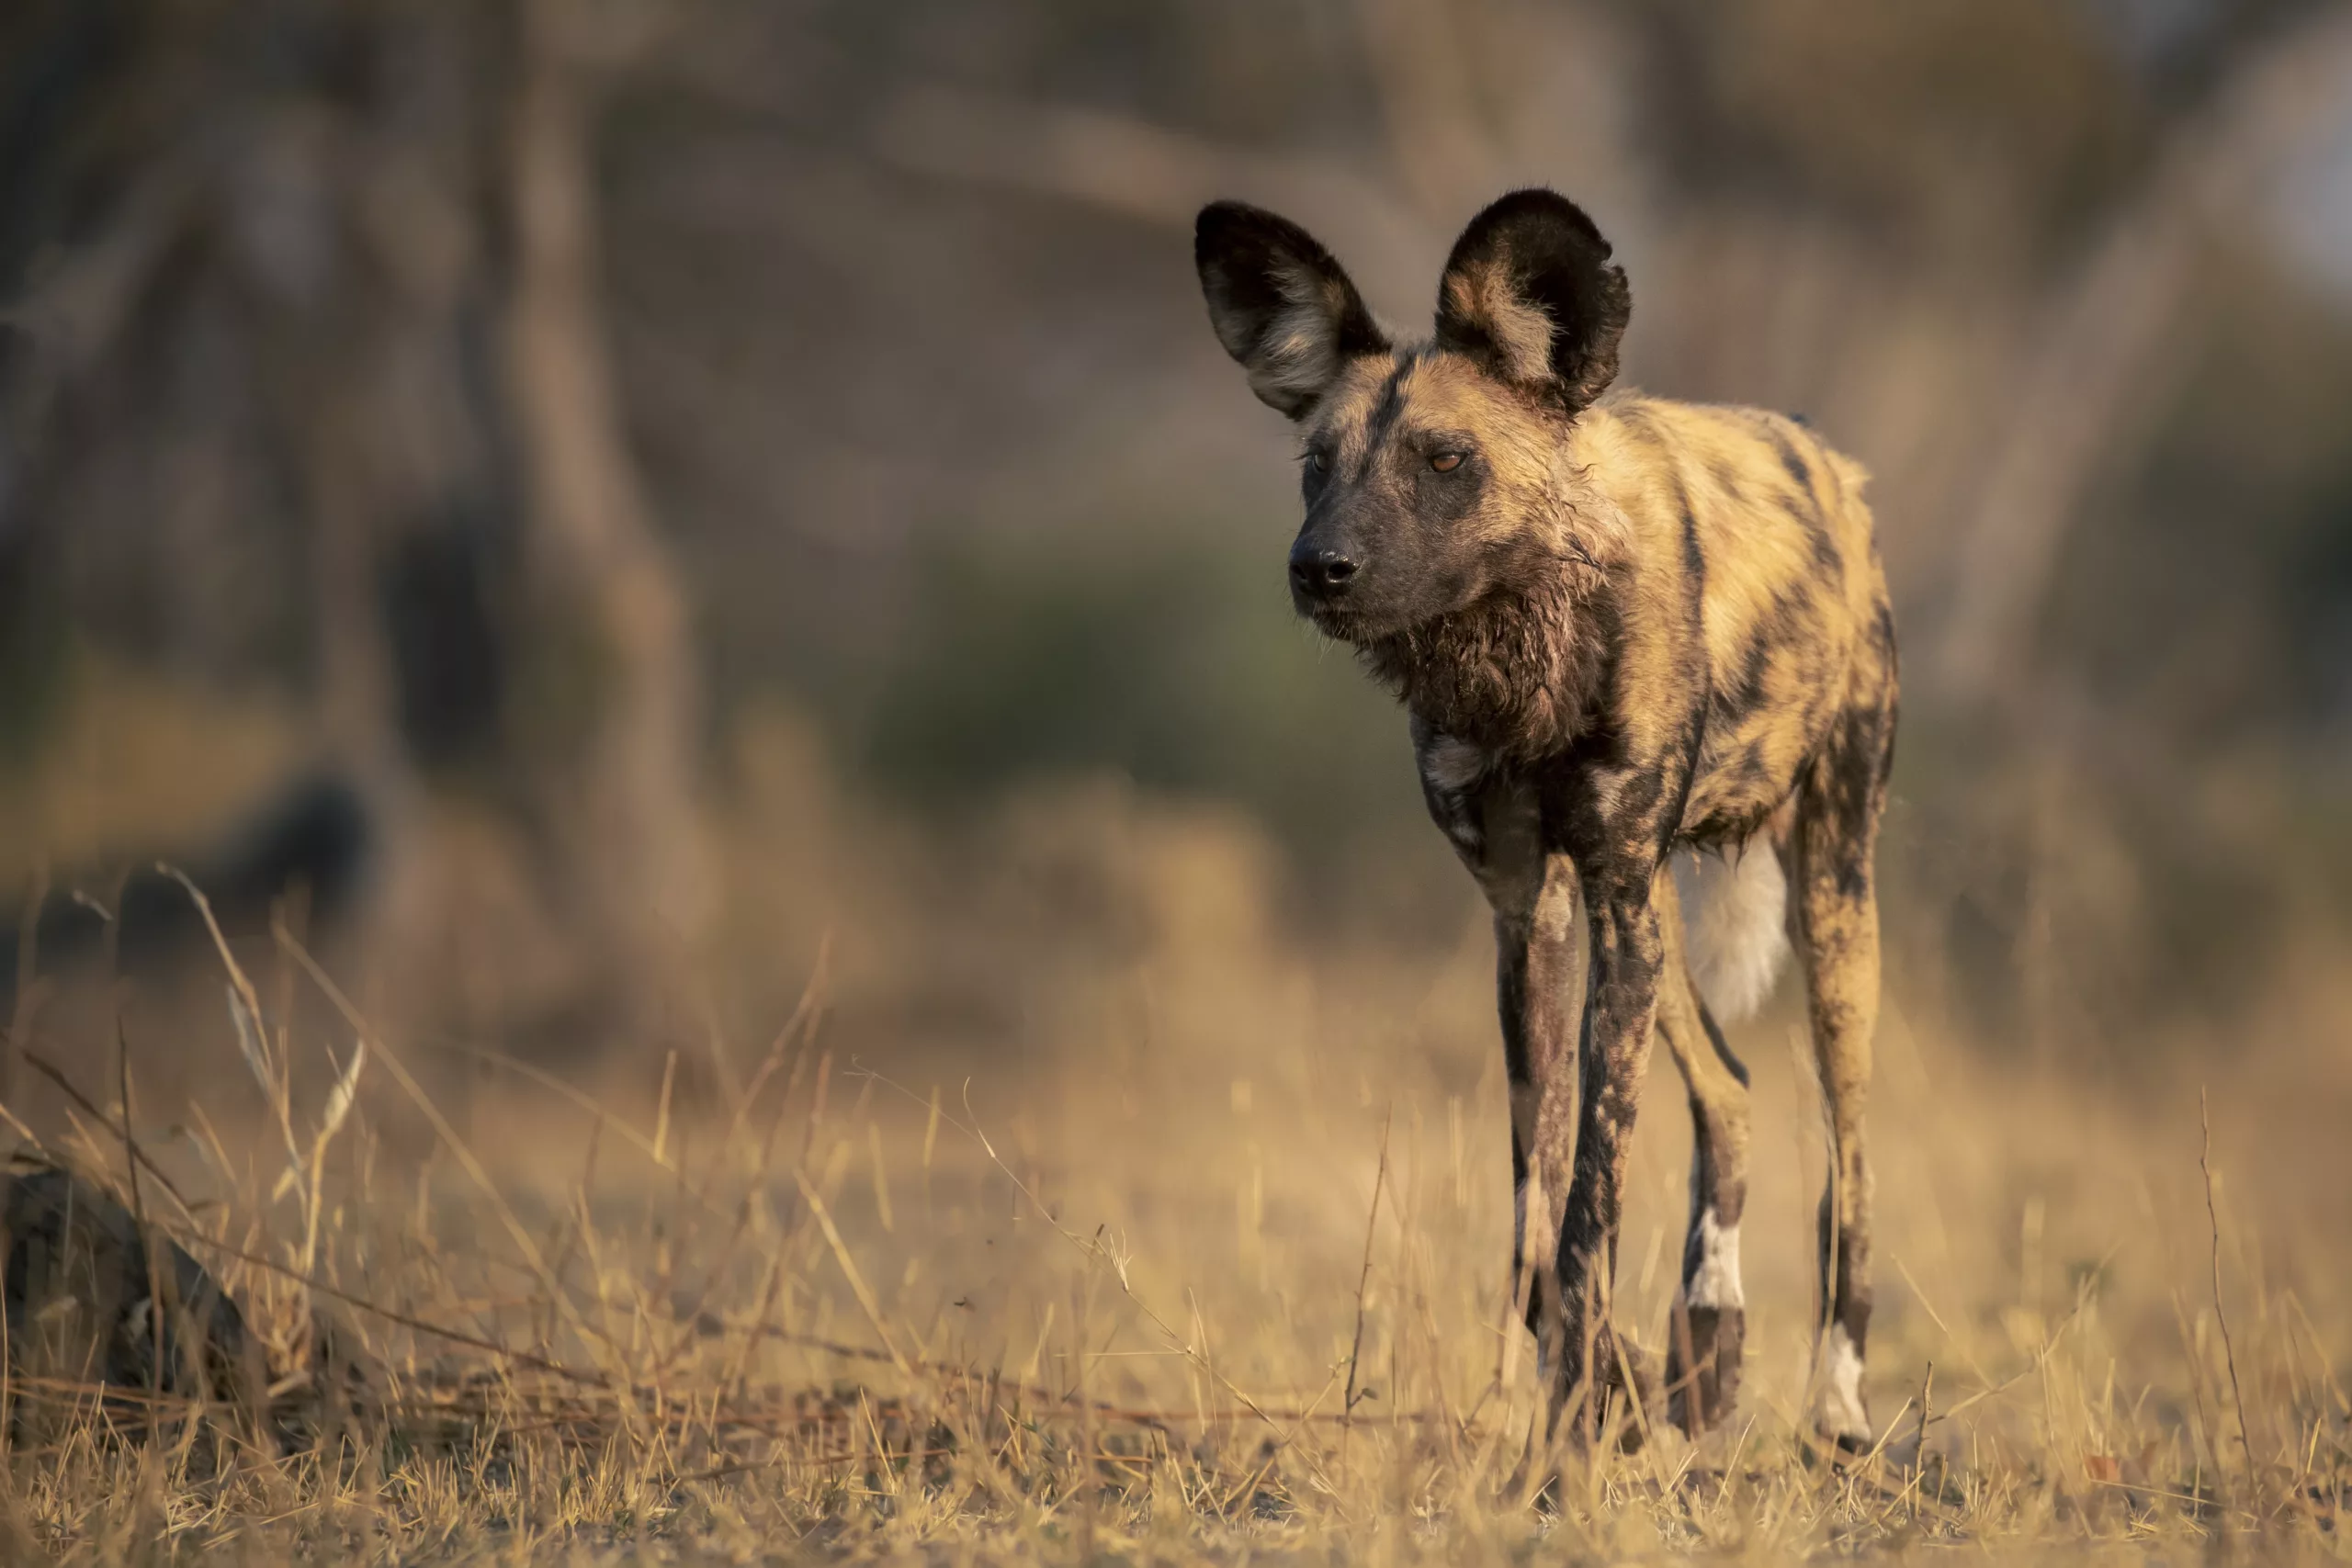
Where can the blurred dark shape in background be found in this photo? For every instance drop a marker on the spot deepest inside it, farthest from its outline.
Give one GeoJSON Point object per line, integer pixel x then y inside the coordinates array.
{"type": "Point", "coordinates": [310, 843]}
{"type": "Point", "coordinates": [512, 408]}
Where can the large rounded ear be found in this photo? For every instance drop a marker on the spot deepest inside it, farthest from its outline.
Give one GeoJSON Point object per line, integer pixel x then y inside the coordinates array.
{"type": "Point", "coordinates": [1281, 305]}
{"type": "Point", "coordinates": [1530, 294]}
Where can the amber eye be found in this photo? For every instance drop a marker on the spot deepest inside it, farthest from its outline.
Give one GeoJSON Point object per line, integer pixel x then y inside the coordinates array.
{"type": "Point", "coordinates": [1446, 462]}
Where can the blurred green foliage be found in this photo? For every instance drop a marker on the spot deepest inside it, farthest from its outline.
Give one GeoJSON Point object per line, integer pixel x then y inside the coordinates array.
{"type": "Point", "coordinates": [1180, 665]}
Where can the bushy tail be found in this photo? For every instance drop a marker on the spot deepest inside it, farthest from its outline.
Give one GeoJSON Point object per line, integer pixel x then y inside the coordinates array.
{"type": "Point", "coordinates": [1734, 919]}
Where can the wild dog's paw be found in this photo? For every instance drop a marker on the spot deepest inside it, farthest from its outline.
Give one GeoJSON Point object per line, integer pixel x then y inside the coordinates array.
{"type": "Point", "coordinates": [1703, 1366]}
{"type": "Point", "coordinates": [1843, 1419]}
{"type": "Point", "coordinates": [1632, 1395]}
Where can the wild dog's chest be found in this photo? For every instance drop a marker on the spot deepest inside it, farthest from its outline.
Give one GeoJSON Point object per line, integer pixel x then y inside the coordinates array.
{"type": "Point", "coordinates": [1501, 812]}
{"type": "Point", "coordinates": [1513, 676]}
{"type": "Point", "coordinates": [1739, 758]}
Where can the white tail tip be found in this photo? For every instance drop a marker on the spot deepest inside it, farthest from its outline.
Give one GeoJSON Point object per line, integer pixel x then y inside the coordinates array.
{"type": "Point", "coordinates": [1734, 919]}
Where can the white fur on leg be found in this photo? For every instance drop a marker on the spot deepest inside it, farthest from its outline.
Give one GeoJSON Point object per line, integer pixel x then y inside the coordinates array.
{"type": "Point", "coordinates": [1842, 1414]}
{"type": "Point", "coordinates": [1715, 1282]}
{"type": "Point", "coordinates": [1538, 1252]}
{"type": "Point", "coordinates": [1540, 1245]}
{"type": "Point", "coordinates": [1735, 918]}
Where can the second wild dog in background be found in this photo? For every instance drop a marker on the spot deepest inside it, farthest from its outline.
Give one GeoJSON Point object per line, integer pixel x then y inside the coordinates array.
{"type": "Point", "coordinates": [1630, 634]}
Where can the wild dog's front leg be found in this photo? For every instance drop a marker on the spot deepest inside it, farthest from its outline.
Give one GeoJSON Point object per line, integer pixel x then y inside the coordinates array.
{"type": "Point", "coordinates": [1614, 1048]}
{"type": "Point", "coordinates": [1535, 949]}
{"type": "Point", "coordinates": [1493, 822]}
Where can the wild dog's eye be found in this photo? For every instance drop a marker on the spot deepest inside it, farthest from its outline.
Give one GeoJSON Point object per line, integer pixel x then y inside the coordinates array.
{"type": "Point", "coordinates": [1317, 461]}
{"type": "Point", "coordinates": [1446, 462]}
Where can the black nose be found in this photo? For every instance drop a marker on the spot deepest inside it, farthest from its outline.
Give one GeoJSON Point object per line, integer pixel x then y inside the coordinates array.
{"type": "Point", "coordinates": [1321, 574]}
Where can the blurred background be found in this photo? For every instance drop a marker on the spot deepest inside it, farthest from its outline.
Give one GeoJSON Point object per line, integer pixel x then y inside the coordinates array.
{"type": "Point", "coordinates": [593, 510]}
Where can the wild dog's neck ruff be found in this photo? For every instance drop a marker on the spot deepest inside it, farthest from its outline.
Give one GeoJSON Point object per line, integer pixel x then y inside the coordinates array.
{"type": "Point", "coordinates": [1515, 673]}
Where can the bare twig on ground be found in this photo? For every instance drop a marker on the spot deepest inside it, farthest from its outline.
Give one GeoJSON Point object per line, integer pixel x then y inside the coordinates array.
{"type": "Point", "coordinates": [2229, 1349]}
{"type": "Point", "coordinates": [1363, 1277]}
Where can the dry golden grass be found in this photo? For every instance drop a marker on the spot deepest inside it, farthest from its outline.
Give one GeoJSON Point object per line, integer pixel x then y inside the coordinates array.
{"type": "Point", "coordinates": [871, 1292]}
{"type": "Point", "coordinates": [1111, 1306]}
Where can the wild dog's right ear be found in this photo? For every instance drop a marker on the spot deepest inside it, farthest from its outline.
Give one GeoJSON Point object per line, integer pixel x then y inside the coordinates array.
{"type": "Point", "coordinates": [1529, 293]}
{"type": "Point", "coordinates": [1281, 305]}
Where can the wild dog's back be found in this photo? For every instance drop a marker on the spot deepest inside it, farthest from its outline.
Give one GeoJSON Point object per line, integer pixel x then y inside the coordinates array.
{"type": "Point", "coordinates": [1772, 524]}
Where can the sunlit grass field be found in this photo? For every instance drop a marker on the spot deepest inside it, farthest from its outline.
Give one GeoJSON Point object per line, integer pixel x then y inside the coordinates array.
{"type": "Point", "coordinates": [1102, 1214]}
{"type": "Point", "coordinates": [1224, 1279]}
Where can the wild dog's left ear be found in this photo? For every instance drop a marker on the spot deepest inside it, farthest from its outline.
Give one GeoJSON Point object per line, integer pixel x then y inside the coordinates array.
{"type": "Point", "coordinates": [1530, 293]}
{"type": "Point", "coordinates": [1281, 305]}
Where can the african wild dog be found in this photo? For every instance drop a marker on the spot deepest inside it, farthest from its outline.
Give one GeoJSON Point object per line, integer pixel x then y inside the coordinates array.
{"type": "Point", "coordinates": [1623, 627]}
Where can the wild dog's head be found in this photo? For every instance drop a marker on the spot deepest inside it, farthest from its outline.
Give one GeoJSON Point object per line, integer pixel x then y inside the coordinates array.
{"type": "Point", "coordinates": [1432, 471]}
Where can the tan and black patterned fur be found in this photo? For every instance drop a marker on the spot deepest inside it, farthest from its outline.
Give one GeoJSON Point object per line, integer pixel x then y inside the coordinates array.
{"type": "Point", "coordinates": [1623, 627]}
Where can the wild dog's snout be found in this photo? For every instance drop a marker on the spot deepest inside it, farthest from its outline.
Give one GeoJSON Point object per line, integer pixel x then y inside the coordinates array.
{"type": "Point", "coordinates": [1321, 574]}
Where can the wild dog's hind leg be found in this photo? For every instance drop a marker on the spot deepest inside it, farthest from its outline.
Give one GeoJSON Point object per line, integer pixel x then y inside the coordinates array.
{"type": "Point", "coordinates": [1709, 1325]}
{"type": "Point", "coordinates": [1835, 907]}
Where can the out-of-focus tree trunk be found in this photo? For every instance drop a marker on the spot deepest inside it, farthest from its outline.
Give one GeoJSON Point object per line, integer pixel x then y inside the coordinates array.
{"type": "Point", "coordinates": [2096, 364]}
{"type": "Point", "coordinates": [323, 397]}
{"type": "Point", "coordinates": [591, 552]}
